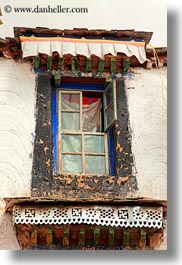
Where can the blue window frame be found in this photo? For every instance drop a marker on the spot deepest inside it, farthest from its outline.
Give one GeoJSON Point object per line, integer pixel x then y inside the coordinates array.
{"type": "Point", "coordinates": [109, 98]}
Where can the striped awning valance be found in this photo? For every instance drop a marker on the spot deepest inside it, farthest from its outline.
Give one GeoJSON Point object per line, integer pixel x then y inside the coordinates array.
{"type": "Point", "coordinates": [32, 46]}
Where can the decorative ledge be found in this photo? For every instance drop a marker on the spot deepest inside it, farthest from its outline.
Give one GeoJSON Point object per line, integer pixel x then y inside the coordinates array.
{"type": "Point", "coordinates": [109, 216]}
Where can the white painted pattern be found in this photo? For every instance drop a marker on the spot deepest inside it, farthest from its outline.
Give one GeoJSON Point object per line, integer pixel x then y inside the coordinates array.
{"type": "Point", "coordinates": [101, 215]}
{"type": "Point", "coordinates": [147, 102]}
{"type": "Point", "coordinates": [17, 125]}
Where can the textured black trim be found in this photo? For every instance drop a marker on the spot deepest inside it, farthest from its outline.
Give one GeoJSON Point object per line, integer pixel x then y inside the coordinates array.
{"type": "Point", "coordinates": [124, 158]}
{"type": "Point", "coordinates": [45, 184]}
{"type": "Point", "coordinates": [42, 155]}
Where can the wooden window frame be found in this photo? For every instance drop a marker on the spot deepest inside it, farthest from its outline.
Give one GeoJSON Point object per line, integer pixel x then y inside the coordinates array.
{"type": "Point", "coordinates": [80, 132]}
{"type": "Point", "coordinates": [107, 125]}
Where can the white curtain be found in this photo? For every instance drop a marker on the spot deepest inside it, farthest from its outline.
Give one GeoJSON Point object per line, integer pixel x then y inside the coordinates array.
{"type": "Point", "coordinates": [91, 116]}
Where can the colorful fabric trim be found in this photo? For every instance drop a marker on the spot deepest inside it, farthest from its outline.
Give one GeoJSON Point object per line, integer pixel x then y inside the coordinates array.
{"type": "Point", "coordinates": [32, 46]}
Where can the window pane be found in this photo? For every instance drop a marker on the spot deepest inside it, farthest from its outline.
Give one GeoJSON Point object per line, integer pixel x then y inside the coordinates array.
{"type": "Point", "coordinates": [72, 164]}
{"type": "Point", "coordinates": [70, 101]}
{"type": "Point", "coordinates": [109, 115]}
{"type": "Point", "coordinates": [70, 121]}
{"type": "Point", "coordinates": [94, 144]}
{"type": "Point", "coordinates": [95, 164]}
{"type": "Point", "coordinates": [71, 143]}
{"type": "Point", "coordinates": [109, 96]}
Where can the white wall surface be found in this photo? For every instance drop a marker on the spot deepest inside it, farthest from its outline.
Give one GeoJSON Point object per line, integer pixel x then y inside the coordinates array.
{"type": "Point", "coordinates": [17, 123]}
{"type": "Point", "coordinates": [147, 103]}
{"type": "Point", "coordinates": [148, 118]}
{"type": "Point", "coordinates": [147, 109]}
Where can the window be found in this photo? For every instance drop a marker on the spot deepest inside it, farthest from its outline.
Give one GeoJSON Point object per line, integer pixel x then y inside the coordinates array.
{"type": "Point", "coordinates": [84, 122]}
{"type": "Point", "coordinates": [110, 113]}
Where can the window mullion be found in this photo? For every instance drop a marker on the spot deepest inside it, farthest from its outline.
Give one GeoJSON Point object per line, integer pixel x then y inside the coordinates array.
{"type": "Point", "coordinates": [60, 152]}
{"type": "Point", "coordinates": [83, 139]}
{"type": "Point", "coordinates": [81, 113]}
{"type": "Point", "coordinates": [71, 111]}
{"type": "Point", "coordinates": [95, 154]}
{"type": "Point", "coordinates": [83, 153]}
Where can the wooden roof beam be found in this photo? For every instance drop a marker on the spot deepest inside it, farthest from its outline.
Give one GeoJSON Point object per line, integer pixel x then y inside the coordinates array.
{"type": "Point", "coordinates": [84, 32]}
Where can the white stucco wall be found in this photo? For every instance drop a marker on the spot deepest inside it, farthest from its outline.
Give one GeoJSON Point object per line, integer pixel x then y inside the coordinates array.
{"type": "Point", "coordinates": [147, 101]}
{"type": "Point", "coordinates": [148, 119]}
{"type": "Point", "coordinates": [17, 123]}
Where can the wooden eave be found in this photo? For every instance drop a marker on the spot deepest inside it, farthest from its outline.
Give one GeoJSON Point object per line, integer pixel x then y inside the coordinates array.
{"type": "Point", "coordinates": [161, 50]}
{"type": "Point", "coordinates": [84, 32]}
{"type": "Point", "coordinates": [11, 47]}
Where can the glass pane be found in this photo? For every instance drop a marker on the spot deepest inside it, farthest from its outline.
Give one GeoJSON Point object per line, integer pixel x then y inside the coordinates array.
{"type": "Point", "coordinates": [71, 143]}
{"type": "Point", "coordinates": [94, 144]}
{"type": "Point", "coordinates": [70, 101]}
{"type": "Point", "coordinates": [95, 164]}
{"type": "Point", "coordinates": [109, 96]}
{"type": "Point", "coordinates": [109, 115]}
{"type": "Point", "coordinates": [70, 121]}
{"type": "Point", "coordinates": [72, 164]}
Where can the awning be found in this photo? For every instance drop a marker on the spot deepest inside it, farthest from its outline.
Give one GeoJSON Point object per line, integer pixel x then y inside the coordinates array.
{"type": "Point", "coordinates": [127, 216]}
{"type": "Point", "coordinates": [32, 46]}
